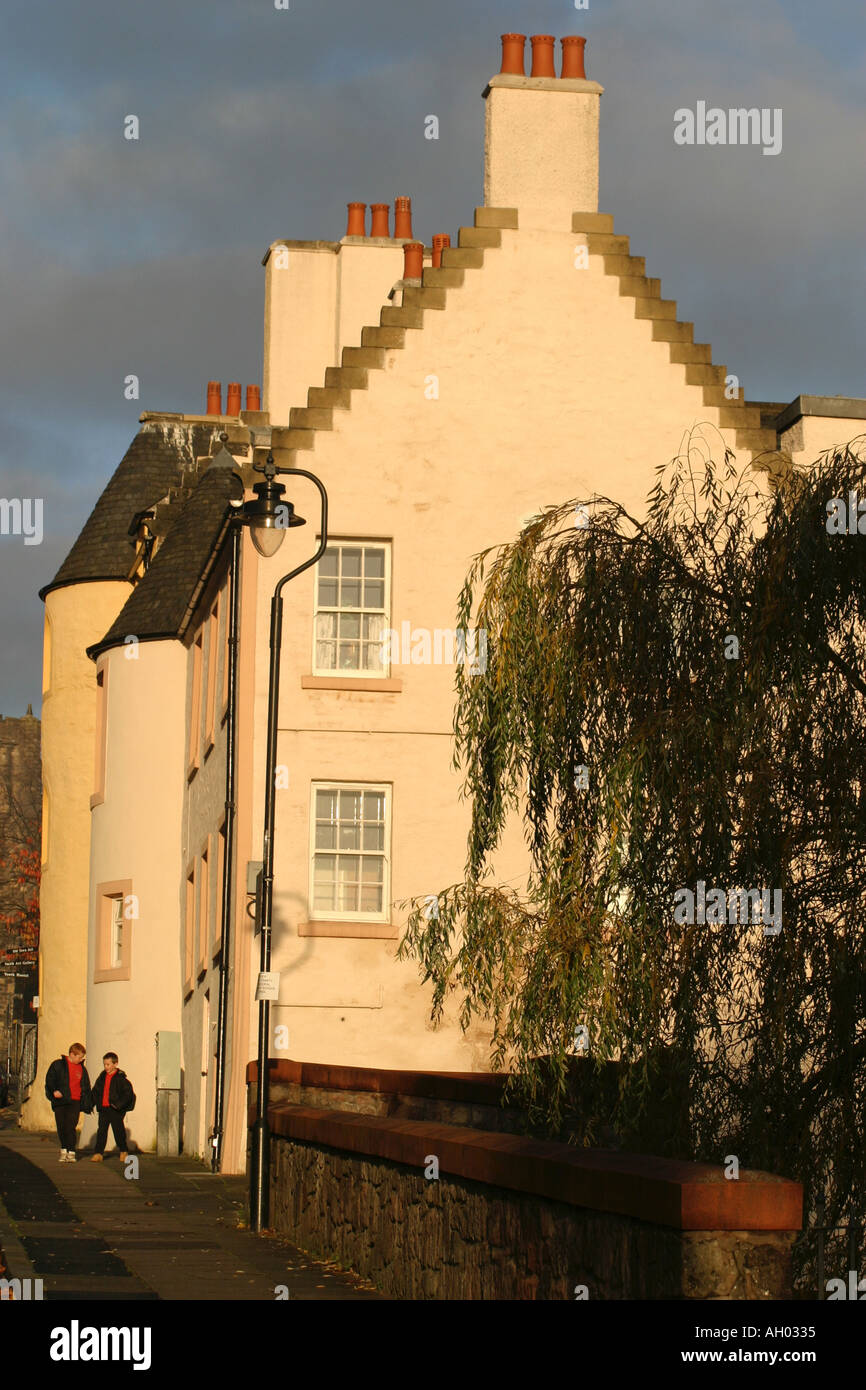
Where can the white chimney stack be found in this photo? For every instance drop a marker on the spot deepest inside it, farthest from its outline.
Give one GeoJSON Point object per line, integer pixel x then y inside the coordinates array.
{"type": "Point", "coordinates": [541, 136]}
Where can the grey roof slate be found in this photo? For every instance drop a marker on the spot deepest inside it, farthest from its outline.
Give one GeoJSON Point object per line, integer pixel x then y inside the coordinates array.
{"type": "Point", "coordinates": [156, 460]}
{"type": "Point", "coordinates": [159, 605]}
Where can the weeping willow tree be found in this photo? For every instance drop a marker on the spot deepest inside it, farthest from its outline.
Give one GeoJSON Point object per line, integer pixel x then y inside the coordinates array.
{"type": "Point", "coordinates": [669, 702]}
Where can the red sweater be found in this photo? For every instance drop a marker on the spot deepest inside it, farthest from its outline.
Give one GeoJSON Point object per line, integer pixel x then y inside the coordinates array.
{"type": "Point", "coordinates": [75, 1070]}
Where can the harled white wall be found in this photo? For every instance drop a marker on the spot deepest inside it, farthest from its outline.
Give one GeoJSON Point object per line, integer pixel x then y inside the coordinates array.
{"type": "Point", "coordinates": [137, 835]}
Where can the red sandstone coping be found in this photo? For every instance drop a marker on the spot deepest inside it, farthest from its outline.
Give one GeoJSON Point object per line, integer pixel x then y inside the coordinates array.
{"type": "Point", "coordinates": [468, 1087]}
{"type": "Point", "coordinates": [665, 1192]}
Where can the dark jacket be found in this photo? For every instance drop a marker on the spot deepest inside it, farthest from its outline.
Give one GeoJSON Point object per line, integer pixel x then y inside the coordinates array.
{"type": "Point", "coordinates": [58, 1080]}
{"type": "Point", "coordinates": [120, 1093]}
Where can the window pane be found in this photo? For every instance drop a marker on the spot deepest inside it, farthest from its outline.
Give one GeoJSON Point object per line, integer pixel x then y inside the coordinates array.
{"type": "Point", "coordinates": [350, 805]}
{"type": "Point", "coordinates": [350, 626]}
{"type": "Point", "coordinates": [350, 836]}
{"type": "Point", "coordinates": [374, 806]}
{"type": "Point", "coordinates": [326, 803]}
{"type": "Point", "coordinates": [326, 836]}
{"type": "Point", "coordinates": [351, 561]}
{"type": "Point", "coordinates": [350, 593]}
{"type": "Point", "coordinates": [371, 869]}
{"type": "Point", "coordinates": [371, 899]}
{"type": "Point", "coordinates": [323, 897]}
{"type": "Point", "coordinates": [324, 867]}
{"type": "Point", "coordinates": [374, 626]}
{"type": "Point", "coordinates": [350, 656]}
{"type": "Point", "coordinates": [348, 867]}
{"type": "Point", "coordinates": [374, 593]}
{"type": "Point", "coordinates": [326, 655]}
{"type": "Point", "coordinates": [327, 592]}
{"type": "Point", "coordinates": [347, 888]}
{"type": "Point", "coordinates": [374, 563]}
{"type": "Point", "coordinates": [373, 656]}
{"type": "Point", "coordinates": [374, 837]}
{"type": "Point", "coordinates": [328, 562]}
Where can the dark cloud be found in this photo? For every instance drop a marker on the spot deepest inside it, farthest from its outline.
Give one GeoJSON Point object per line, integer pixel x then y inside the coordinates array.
{"type": "Point", "coordinates": [144, 257]}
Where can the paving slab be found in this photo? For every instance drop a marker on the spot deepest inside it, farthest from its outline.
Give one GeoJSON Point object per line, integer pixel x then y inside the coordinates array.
{"type": "Point", "coordinates": [176, 1233]}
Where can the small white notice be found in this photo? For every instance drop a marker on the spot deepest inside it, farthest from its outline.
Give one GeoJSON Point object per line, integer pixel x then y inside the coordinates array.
{"type": "Point", "coordinates": [268, 986]}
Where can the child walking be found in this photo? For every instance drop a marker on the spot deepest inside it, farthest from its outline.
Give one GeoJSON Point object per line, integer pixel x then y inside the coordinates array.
{"type": "Point", "coordinates": [113, 1096]}
{"type": "Point", "coordinates": [67, 1086]}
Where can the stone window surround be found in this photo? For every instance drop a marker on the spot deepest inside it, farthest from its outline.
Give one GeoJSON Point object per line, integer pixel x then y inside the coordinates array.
{"type": "Point", "coordinates": [195, 719]}
{"type": "Point", "coordinates": [104, 971]}
{"type": "Point", "coordinates": [189, 928]}
{"type": "Point", "coordinates": [212, 622]}
{"type": "Point", "coordinates": [203, 907]}
{"type": "Point", "coordinates": [101, 735]}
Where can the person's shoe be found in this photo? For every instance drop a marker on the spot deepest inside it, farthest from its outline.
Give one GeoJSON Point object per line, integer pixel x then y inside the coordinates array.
{"type": "Point", "coordinates": [71, 1156]}
{"type": "Point", "coordinates": [97, 1158]}
{"type": "Point", "coordinates": [123, 1157]}
{"type": "Point", "coordinates": [62, 1156]}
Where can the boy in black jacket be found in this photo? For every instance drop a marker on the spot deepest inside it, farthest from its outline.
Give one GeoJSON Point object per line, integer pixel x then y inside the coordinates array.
{"type": "Point", "coordinates": [67, 1086]}
{"type": "Point", "coordinates": [113, 1096]}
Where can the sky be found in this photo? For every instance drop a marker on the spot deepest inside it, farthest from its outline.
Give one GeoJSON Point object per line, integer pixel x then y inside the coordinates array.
{"type": "Point", "coordinates": [122, 257]}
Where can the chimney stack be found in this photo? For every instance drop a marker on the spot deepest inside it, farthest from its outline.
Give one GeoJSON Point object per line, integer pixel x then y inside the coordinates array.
{"type": "Point", "coordinates": [254, 398]}
{"type": "Point", "coordinates": [380, 217]}
{"type": "Point", "coordinates": [513, 47]}
{"type": "Point", "coordinates": [541, 136]}
{"type": "Point", "coordinates": [233, 398]}
{"type": "Point", "coordinates": [403, 218]}
{"type": "Point", "coordinates": [440, 241]}
{"type": "Point", "coordinates": [572, 57]}
{"type": "Point", "coordinates": [357, 218]}
{"type": "Point", "coordinates": [542, 55]}
{"type": "Point", "coordinates": [214, 398]}
{"type": "Point", "coordinates": [413, 260]}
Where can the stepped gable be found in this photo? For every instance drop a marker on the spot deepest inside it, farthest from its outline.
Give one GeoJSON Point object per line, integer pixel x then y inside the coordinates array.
{"type": "Point", "coordinates": [160, 605]}
{"type": "Point", "coordinates": [156, 460]}
{"type": "Point", "coordinates": [753, 426]}
{"type": "Point", "coordinates": [744, 419]}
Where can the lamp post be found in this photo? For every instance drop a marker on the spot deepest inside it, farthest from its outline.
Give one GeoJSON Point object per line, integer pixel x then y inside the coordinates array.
{"type": "Point", "coordinates": [269, 517]}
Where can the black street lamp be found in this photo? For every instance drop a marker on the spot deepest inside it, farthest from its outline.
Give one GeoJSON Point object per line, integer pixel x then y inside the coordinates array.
{"type": "Point", "coordinates": [269, 517]}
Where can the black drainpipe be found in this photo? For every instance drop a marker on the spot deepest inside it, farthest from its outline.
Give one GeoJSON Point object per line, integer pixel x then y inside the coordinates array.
{"type": "Point", "coordinates": [228, 877]}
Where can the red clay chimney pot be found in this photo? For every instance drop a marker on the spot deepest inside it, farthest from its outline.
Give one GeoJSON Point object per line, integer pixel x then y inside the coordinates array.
{"type": "Point", "coordinates": [380, 213]}
{"type": "Point", "coordinates": [413, 260]}
{"type": "Point", "coordinates": [513, 46]}
{"type": "Point", "coordinates": [233, 398]}
{"type": "Point", "coordinates": [572, 56]}
{"type": "Point", "coordinates": [403, 218]}
{"type": "Point", "coordinates": [542, 55]}
{"type": "Point", "coordinates": [214, 398]}
{"type": "Point", "coordinates": [254, 398]}
{"type": "Point", "coordinates": [357, 219]}
{"type": "Point", "coordinates": [440, 241]}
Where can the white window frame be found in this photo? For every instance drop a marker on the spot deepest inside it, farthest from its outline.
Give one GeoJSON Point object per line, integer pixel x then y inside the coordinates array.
{"type": "Point", "coordinates": [115, 942]}
{"type": "Point", "coordinates": [341, 543]}
{"type": "Point", "coordinates": [321, 914]}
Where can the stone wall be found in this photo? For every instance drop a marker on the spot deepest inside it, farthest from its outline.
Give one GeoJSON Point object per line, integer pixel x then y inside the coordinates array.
{"type": "Point", "coordinates": [509, 1216]}
{"type": "Point", "coordinates": [452, 1239]}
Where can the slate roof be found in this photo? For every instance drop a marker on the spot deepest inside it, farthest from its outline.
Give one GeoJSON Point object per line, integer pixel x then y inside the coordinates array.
{"type": "Point", "coordinates": [156, 460]}
{"type": "Point", "coordinates": [160, 604]}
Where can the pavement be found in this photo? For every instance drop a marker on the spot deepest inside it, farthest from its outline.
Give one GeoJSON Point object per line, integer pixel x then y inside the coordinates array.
{"type": "Point", "coordinates": [176, 1232]}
